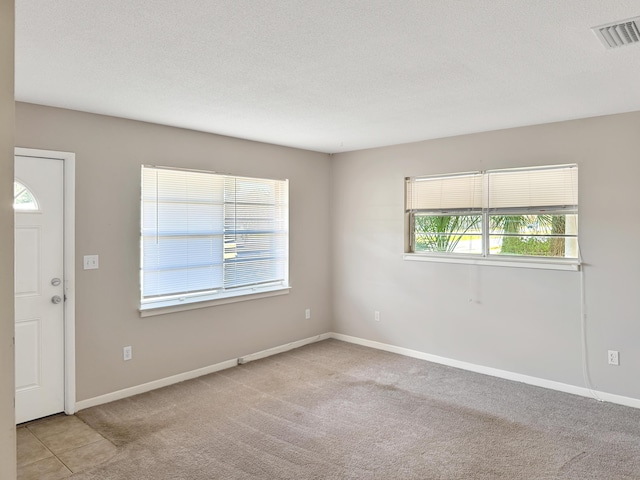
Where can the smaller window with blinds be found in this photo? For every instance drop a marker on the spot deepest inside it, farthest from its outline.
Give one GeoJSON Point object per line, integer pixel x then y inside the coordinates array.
{"type": "Point", "coordinates": [207, 236]}
{"type": "Point", "coordinates": [524, 212]}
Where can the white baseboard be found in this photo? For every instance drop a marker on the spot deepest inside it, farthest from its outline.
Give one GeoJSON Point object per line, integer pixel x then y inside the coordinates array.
{"type": "Point", "coordinates": [181, 377]}
{"type": "Point", "coordinates": [494, 372]}
{"type": "Point", "coordinates": [282, 348]}
{"type": "Point", "coordinates": [146, 387]}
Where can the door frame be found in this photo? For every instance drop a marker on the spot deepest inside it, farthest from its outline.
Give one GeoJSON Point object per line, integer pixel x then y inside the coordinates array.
{"type": "Point", "coordinates": [69, 225]}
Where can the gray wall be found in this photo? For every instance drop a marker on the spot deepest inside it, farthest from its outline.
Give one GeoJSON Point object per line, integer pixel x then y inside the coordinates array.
{"type": "Point", "coordinates": [7, 416]}
{"type": "Point", "coordinates": [520, 320]}
{"type": "Point", "coordinates": [350, 208]}
{"type": "Point", "coordinates": [109, 152]}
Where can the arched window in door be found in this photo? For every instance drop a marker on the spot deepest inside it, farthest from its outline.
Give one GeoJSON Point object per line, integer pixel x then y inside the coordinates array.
{"type": "Point", "coordinates": [23, 199]}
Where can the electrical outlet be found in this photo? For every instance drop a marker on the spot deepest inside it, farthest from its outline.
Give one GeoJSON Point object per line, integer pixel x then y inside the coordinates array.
{"type": "Point", "coordinates": [307, 313]}
{"type": "Point", "coordinates": [614, 357]}
{"type": "Point", "coordinates": [91, 262]}
{"type": "Point", "coordinates": [127, 353]}
{"type": "Point", "coordinates": [376, 316]}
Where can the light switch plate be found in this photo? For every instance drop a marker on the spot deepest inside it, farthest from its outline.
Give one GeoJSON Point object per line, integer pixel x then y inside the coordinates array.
{"type": "Point", "coordinates": [90, 262]}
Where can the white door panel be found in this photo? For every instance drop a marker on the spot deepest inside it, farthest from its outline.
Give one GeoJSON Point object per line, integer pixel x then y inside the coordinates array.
{"type": "Point", "coordinates": [39, 329]}
{"type": "Point", "coordinates": [27, 277]}
{"type": "Point", "coordinates": [28, 343]}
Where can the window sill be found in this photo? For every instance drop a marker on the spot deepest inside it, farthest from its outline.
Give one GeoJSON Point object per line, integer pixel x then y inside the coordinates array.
{"type": "Point", "coordinates": [538, 263]}
{"type": "Point", "coordinates": [172, 306]}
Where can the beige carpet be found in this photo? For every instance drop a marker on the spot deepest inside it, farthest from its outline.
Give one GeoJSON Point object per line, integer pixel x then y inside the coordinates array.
{"type": "Point", "coordinates": [339, 411]}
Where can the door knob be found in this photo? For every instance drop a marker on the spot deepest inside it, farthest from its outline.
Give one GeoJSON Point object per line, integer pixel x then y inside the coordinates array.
{"type": "Point", "coordinates": [56, 299]}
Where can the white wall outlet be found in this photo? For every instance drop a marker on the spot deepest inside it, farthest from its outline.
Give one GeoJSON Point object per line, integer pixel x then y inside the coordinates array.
{"type": "Point", "coordinates": [307, 313]}
{"type": "Point", "coordinates": [127, 353]}
{"type": "Point", "coordinates": [376, 316]}
{"type": "Point", "coordinates": [614, 357]}
{"type": "Point", "coordinates": [90, 262]}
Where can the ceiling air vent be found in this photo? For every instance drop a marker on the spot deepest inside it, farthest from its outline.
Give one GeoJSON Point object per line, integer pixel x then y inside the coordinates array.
{"type": "Point", "coordinates": [618, 34]}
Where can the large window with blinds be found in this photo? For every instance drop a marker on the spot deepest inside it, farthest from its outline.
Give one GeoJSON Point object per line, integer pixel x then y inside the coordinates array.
{"type": "Point", "coordinates": [524, 212]}
{"type": "Point", "coordinates": [207, 236]}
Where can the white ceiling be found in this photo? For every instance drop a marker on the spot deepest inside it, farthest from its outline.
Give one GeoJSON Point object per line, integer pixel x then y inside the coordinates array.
{"type": "Point", "coordinates": [327, 75]}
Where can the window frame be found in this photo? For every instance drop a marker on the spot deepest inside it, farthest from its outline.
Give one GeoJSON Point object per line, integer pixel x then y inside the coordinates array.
{"type": "Point", "coordinates": [171, 302]}
{"type": "Point", "coordinates": [486, 257]}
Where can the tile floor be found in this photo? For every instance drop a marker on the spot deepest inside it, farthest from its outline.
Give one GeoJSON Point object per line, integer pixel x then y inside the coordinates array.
{"type": "Point", "coordinates": [56, 447]}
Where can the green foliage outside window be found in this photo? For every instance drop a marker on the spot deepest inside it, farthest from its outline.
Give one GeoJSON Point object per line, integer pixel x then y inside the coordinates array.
{"type": "Point", "coordinates": [528, 235]}
{"type": "Point", "coordinates": [442, 233]}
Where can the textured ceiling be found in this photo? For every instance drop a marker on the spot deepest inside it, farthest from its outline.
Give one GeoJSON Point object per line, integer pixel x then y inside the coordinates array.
{"type": "Point", "coordinates": [327, 75]}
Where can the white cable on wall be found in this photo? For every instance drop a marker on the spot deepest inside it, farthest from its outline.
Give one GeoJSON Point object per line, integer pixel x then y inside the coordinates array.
{"type": "Point", "coordinates": [583, 328]}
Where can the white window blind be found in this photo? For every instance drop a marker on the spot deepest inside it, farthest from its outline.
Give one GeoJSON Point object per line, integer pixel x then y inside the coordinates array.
{"type": "Point", "coordinates": [461, 192]}
{"type": "Point", "coordinates": [525, 212]}
{"type": "Point", "coordinates": [205, 234]}
{"type": "Point", "coordinates": [256, 231]}
{"type": "Point", "coordinates": [533, 188]}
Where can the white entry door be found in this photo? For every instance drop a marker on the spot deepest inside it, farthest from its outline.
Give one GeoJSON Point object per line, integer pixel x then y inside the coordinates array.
{"type": "Point", "coordinates": [39, 287]}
